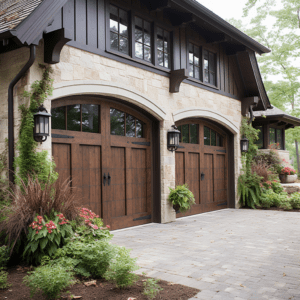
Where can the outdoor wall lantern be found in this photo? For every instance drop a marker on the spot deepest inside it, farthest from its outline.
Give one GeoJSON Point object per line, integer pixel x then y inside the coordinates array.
{"type": "Point", "coordinates": [41, 125]}
{"type": "Point", "coordinates": [244, 145]}
{"type": "Point", "coordinates": [173, 137]}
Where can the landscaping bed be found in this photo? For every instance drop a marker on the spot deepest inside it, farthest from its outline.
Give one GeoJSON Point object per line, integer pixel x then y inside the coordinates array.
{"type": "Point", "coordinates": [102, 290]}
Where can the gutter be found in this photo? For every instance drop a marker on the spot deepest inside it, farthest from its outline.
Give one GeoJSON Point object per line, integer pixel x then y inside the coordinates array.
{"type": "Point", "coordinates": [11, 140]}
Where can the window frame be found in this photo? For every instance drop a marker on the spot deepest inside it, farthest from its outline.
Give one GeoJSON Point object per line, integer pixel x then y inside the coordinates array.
{"type": "Point", "coordinates": [132, 13]}
{"type": "Point", "coordinates": [216, 66]}
{"type": "Point", "coordinates": [276, 141]}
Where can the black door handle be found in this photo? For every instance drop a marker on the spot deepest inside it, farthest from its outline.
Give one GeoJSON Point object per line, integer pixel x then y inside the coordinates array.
{"type": "Point", "coordinates": [108, 176]}
{"type": "Point", "coordinates": [202, 176]}
{"type": "Point", "coordinates": [104, 179]}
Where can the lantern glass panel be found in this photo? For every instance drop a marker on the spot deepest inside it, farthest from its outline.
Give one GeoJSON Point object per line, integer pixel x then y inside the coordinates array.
{"type": "Point", "coordinates": [47, 125]}
{"type": "Point", "coordinates": [37, 125]}
{"type": "Point", "coordinates": [42, 124]}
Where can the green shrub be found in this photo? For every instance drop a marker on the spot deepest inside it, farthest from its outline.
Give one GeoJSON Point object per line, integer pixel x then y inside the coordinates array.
{"type": "Point", "coordinates": [3, 279]}
{"type": "Point", "coordinates": [121, 268]}
{"type": "Point", "coordinates": [277, 187]}
{"type": "Point", "coordinates": [266, 199]}
{"type": "Point", "coordinates": [151, 288]}
{"type": "Point", "coordinates": [51, 280]}
{"type": "Point", "coordinates": [4, 256]}
{"type": "Point", "coordinates": [286, 204]}
{"type": "Point", "coordinates": [181, 197]}
{"type": "Point", "coordinates": [295, 200]}
{"type": "Point", "coordinates": [92, 259]}
{"type": "Point", "coordinates": [45, 236]}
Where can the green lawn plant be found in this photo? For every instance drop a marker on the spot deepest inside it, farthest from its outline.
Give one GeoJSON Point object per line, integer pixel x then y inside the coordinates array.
{"type": "Point", "coordinates": [121, 269]}
{"type": "Point", "coordinates": [51, 280]}
{"type": "Point", "coordinates": [45, 236]}
{"type": "Point", "coordinates": [151, 288]}
{"type": "Point", "coordinates": [295, 200]}
{"type": "Point", "coordinates": [4, 257]}
{"type": "Point", "coordinates": [181, 197]}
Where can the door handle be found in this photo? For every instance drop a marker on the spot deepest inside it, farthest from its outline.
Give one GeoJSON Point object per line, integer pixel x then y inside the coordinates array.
{"type": "Point", "coordinates": [108, 176]}
{"type": "Point", "coordinates": [104, 179]}
{"type": "Point", "coordinates": [202, 176]}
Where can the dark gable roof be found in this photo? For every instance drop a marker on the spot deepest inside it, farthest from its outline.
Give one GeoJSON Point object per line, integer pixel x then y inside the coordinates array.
{"type": "Point", "coordinates": [275, 113]}
{"type": "Point", "coordinates": [13, 12]}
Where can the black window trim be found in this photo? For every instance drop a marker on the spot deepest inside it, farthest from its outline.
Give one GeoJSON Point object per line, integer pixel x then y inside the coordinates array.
{"type": "Point", "coordinates": [282, 136]}
{"type": "Point", "coordinates": [216, 66]}
{"type": "Point", "coordinates": [131, 27]}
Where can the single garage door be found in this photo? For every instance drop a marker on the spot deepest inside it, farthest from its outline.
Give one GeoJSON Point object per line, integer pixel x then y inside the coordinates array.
{"type": "Point", "coordinates": [104, 148]}
{"type": "Point", "coordinates": [201, 162]}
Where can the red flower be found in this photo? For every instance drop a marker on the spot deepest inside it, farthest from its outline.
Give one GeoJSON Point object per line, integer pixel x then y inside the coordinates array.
{"type": "Point", "coordinates": [36, 232]}
{"type": "Point", "coordinates": [107, 226]}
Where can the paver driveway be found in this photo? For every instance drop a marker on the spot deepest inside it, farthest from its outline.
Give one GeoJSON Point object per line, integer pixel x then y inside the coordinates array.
{"type": "Point", "coordinates": [228, 254]}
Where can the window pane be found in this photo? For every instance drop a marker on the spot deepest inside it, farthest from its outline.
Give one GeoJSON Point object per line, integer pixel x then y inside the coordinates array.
{"type": "Point", "coordinates": [147, 33]}
{"type": "Point", "coordinates": [206, 78]}
{"type": "Point", "coordinates": [166, 59]}
{"type": "Point", "coordinates": [138, 23]}
{"type": "Point", "coordinates": [191, 54]}
{"type": "Point", "coordinates": [130, 126]}
{"type": "Point", "coordinates": [113, 25]}
{"type": "Point", "coordinates": [73, 117]}
{"type": "Point", "coordinates": [185, 133]}
{"type": "Point", "coordinates": [139, 129]}
{"type": "Point", "coordinates": [260, 140]}
{"type": "Point", "coordinates": [123, 45]}
{"type": "Point", "coordinates": [212, 62]}
{"type": "Point", "coordinates": [138, 35]}
{"type": "Point", "coordinates": [219, 140]}
{"type": "Point", "coordinates": [191, 70]}
{"type": "Point", "coordinates": [179, 128]}
{"type": "Point", "coordinates": [123, 22]}
{"type": "Point", "coordinates": [160, 57]}
{"type": "Point", "coordinates": [117, 124]}
{"type": "Point", "coordinates": [113, 11]}
{"type": "Point", "coordinates": [194, 133]}
{"type": "Point", "coordinates": [206, 136]}
{"type": "Point", "coordinates": [272, 135]}
{"type": "Point", "coordinates": [166, 41]}
{"type": "Point", "coordinates": [196, 56]}
{"type": "Point", "coordinates": [147, 53]}
{"type": "Point", "coordinates": [160, 42]}
{"type": "Point", "coordinates": [197, 72]}
{"type": "Point", "coordinates": [114, 41]}
{"type": "Point", "coordinates": [58, 118]}
{"type": "Point", "coordinates": [205, 53]}
{"type": "Point", "coordinates": [279, 138]}
{"type": "Point", "coordinates": [213, 138]}
{"type": "Point", "coordinates": [139, 50]}
{"type": "Point", "coordinates": [90, 118]}
{"type": "Point", "coordinates": [212, 78]}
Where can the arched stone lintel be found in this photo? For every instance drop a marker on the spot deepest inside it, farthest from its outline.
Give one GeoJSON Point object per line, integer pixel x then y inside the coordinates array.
{"type": "Point", "coordinates": [196, 112]}
{"type": "Point", "coordinates": [85, 87]}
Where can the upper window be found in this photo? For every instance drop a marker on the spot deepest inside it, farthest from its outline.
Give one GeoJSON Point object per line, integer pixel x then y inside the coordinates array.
{"type": "Point", "coordinates": [119, 30]}
{"type": "Point", "coordinates": [142, 39]}
{"type": "Point", "coordinates": [212, 138]}
{"type": "Point", "coordinates": [209, 67]}
{"type": "Point", "coordinates": [78, 117]}
{"type": "Point", "coordinates": [189, 133]}
{"type": "Point", "coordinates": [276, 137]}
{"type": "Point", "coordinates": [194, 61]}
{"type": "Point", "coordinates": [124, 124]}
{"type": "Point", "coordinates": [163, 47]}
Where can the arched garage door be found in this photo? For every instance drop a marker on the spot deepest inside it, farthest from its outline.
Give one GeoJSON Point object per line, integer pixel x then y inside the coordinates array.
{"type": "Point", "coordinates": [104, 147]}
{"type": "Point", "coordinates": [201, 162]}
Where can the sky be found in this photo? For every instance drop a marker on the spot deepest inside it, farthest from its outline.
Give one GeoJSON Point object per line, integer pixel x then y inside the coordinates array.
{"type": "Point", "coordinates": [226, 9]}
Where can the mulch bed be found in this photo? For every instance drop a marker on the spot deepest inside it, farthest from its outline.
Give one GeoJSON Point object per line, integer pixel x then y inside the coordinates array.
{"type": "Point", "coordinates": [102, 290]}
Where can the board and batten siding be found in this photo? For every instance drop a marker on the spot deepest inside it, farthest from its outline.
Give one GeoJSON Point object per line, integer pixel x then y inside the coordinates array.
{"type": "Point", "coordinates": [85, 20]}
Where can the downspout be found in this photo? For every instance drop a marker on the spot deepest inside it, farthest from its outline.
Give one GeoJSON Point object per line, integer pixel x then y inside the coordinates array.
{"type": "Point", "coordinates": [11, 142]}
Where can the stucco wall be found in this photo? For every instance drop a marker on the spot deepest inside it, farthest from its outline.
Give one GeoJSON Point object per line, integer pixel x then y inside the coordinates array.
{"type": "Point", "coordinates": [146, 89]}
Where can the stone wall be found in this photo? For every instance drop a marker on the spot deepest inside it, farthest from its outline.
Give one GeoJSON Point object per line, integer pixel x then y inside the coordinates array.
{"type": "Point", "coordinates": [79, 67]}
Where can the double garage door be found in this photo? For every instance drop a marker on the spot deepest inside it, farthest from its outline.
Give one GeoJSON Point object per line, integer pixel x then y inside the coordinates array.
{"type": "Point", "coordinates": [105, 149]}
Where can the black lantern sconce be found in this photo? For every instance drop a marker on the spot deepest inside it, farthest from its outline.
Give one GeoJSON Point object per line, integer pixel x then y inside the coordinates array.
{"type": "Point", "coordinates": [173, 137]}
{"type": "Point", "coordinates": [41, 125]}
{"type": "Point", "coordinates": [244, 145]}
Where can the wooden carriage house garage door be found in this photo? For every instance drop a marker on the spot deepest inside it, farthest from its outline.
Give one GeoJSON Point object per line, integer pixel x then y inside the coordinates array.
{"type": "Point", "coordinates": [201, 162]}
{"type": "Point", "coordinates": [104, 148]}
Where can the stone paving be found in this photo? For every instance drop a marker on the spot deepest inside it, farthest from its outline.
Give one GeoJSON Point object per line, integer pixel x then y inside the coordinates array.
{"type": "Point", "coordinates": [229, 254]}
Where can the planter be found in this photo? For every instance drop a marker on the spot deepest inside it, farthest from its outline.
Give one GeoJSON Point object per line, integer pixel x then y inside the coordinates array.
{"type": "Point", "coordinates": [288, 178]}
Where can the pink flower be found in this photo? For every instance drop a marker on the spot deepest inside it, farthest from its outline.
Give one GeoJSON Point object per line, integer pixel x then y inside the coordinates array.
{"type": "Point", "coordinates": [107, 226]}
{"type": "Point", "coordinates": [40, 227]}
{"type": "Point", "coordinates": [95, 227]}
{"type": "Point", "coordinates": [36, 232]}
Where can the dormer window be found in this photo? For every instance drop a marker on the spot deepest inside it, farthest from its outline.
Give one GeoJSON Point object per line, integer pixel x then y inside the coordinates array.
{"type": "Point", "coordinates": [194, 61]}
{"type": "Point", "coordinates": [209, 67]}
{"type": "Point", "coordinates": [143, 39]}
{"type": "Point", "coordinates": [163, 47]}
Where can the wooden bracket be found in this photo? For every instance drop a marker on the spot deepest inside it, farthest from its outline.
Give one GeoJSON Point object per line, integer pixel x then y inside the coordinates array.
{"type": "Point", "coordinates": [182, 19]}
{"type": "Point", "coordinates": [176, 77]}
{"type": "Point", "coordinates": [217, 38]}
{"type": "Point", "coordinates": [53, 43]}
{"type": "Point", "coordinates": [234, 49]}
{"type": "Point", "coordinates": [246, 102]}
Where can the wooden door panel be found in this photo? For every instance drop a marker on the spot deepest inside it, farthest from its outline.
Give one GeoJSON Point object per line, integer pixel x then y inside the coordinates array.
{"type": "Point", "coordinates": [179, 168]}
{"type": "Point", "coordinates": [62, 158]}
{"type": "Point", "coordinates": [139, 181]}
{"type": "Point", "coordinates": [220, 179]}
{"type": "Point", "coordinates": [193, 178]}
{"type": "Point", "coordinates": [117, 188]}
{"type": "Point", "coordinates": [207, 185]}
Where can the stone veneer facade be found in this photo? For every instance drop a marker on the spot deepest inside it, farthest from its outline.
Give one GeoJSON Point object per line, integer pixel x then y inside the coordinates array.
{"type": "Point", "coordinates": [83, 72]}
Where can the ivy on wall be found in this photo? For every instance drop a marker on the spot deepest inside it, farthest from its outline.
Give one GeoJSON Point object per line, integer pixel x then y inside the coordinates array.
{"type": "Point", "coordinates": [30, 162]}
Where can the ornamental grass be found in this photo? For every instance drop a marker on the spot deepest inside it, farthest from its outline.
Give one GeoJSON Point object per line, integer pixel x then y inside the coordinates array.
{"type": "Point", "coordinates": [35, 198]}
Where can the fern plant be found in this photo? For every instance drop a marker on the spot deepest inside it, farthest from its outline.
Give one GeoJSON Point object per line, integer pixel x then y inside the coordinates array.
{"type": "Point", "coordinates": [181, 198]}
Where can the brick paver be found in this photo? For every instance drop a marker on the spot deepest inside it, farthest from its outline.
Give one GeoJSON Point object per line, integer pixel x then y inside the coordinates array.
{"type": "Point", "coordinates": [228, 254]}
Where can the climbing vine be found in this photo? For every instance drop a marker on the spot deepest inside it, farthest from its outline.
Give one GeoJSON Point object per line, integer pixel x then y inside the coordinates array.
{"type": "Point", "coordinates": [31, 162]}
